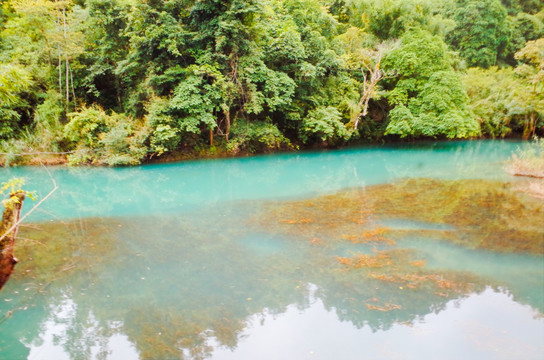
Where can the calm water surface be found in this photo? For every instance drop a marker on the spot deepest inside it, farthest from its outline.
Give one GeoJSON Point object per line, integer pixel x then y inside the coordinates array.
{"type": "Point", "coordinates": [205, 260]}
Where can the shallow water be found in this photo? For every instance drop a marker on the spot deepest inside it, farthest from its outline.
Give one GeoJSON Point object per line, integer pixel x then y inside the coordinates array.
{"type": "Point", "coordinates": [230, 259]}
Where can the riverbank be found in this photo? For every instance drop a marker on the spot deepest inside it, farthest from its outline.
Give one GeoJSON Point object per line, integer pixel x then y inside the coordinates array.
{"type": "Point", "coordinates": [529, 164]}
{"type": "Point", "coordinates": [220, 150]}
{"type": "Point", "coordinates": [51, 159]}
{"type": "Point", "coordinates": [184, 154]}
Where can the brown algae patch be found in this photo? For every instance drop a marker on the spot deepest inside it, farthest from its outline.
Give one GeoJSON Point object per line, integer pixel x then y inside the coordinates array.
{"type": "Point", "coordinates": [219, 283]}
{"type": "Point", "coordinates": [484, 214]}
{"type": "Point", "coordinates": [53, 250]}
{"type": "Point", "coordinates": [401, 269]}
{"type": "Point", "coordinates": [476, 214]}
{"type": "Point", "coordinates": [92, 262]}
{"type": "Point", "coordinates": [381, 259]}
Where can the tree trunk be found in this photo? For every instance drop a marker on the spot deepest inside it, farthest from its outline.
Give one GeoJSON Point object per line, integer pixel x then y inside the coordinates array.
{"type": "Point", "coordinates": [67, 78]}
{"type": "Point", "coordinates": [60, 75]}
{"type": "Point", "coordinates": [72, 82]}
{"type": "Point", "coordinates": [526, 128]}
{"type": "Point", "coordinates": [227, 120]}
{"type": "Point", "coordinates": [532, 124]}
{"type": "Point", "coordinates": [368, 91]}
{"type": "Point", "coordinates": [60, 57]}
{"type": "Point", "coordinates": [8, 232]}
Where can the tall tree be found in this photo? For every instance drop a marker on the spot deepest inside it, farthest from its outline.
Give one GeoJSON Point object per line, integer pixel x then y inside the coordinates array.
{"type": "Point", "coordinates": [427, 96]}
{"type": "Point", "coordinates": [531, 98]}
{"type": "Point", "coordinates": [508, 100]}
{"type": "Point", "coordinates": [481, 33]}
{"type": "Point", "coordinates": [106, 45]}
{"type": "Point", "coordinates": [14, 81]}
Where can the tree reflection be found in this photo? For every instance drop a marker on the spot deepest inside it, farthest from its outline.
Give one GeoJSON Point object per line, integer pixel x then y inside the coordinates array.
{"type": "Point", "coordinates": [171, 284]}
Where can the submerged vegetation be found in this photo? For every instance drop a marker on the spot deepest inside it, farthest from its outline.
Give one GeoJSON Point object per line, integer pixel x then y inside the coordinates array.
{"type": "Point", "coordinates": [479, 214]}
{"type": "Point", "coordinates": [354, 250]}
{"type": "Point", "coordinates": [121, 82]}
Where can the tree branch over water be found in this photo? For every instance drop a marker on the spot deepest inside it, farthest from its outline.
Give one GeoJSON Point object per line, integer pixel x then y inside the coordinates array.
{"type": "Point", "coordinates": [10, 224]}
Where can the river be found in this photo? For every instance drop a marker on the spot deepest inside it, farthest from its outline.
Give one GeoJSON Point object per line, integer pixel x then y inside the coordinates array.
{"type": "Point", "coordinates": [416, 251]}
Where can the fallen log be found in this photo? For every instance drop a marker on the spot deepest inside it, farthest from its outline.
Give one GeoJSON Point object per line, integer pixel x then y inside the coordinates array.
{"type": "Point", "coordinates": [8, 233]}
{"type": "Point", "coordinates": [530, 174]}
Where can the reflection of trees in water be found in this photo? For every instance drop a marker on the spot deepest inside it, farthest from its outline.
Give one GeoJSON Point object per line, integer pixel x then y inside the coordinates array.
{"type": "Point", "coordinates": [119, 286]}
{"type": "Point", "coordinates": [380, 305]}
{"type": "Point", "coordinates": [172, 284]}
{"type": "Point", "coordinates": [476, 214]}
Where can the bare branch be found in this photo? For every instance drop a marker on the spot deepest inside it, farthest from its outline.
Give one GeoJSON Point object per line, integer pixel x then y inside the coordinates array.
{"type": "Point", "coordinates": [371, 64]}
{"type": "Point", "coordinates": [16, 224]}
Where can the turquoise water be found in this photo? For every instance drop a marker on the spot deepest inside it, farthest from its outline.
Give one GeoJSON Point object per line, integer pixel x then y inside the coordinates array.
{"type": "Point", "coordinates": [178, 261]}
{"type": "Point", "coordinates": [164, 189]}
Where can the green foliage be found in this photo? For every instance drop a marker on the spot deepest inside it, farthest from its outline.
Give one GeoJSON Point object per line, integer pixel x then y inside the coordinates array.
{"type": "Point", "coordinates": [532, 55]}
{"type": "Point", "coordinates": [530, 94]}
{"type": "Point", "coordinates": [257, 136]}
{"type": "Point", "coordinates": [428, 96]}
{"type": "Point", "coordinates": [46, 136]}
{"type": "Point", "coordinates": [324, 124]}
{"type": "Point", "coordinates": [101, 138]}
{"type": "Point", "coordinates": [507, 100]}
{"type": "Point", "coordinates": [123, 144]}
{"type": "Point", "coordinates": [482, 34]}
{"type": "Point", "coordinates": [268, 90]}
{"type": "Point", "coordinates": [444, 108]}
{"type": "Point", "coordinates": [401, 121]}
{"type": "Point", "coordinates": [309, 60]}
{"type": "Point", "coordinates": [13, 186]}
{"type": "Point", "coordinates": [415, 61]}
{"type": "Point", "coordinates": [196, 98]}
{"type": "Point", "coordinates": [105, 47]}
{"type": "Point", "coordinates": [390, 19]}
{"type": "Point", "coordinates": [43, 53]}
{"type": "Point", "coordinates": [14, 81]}
{"type": "Point", "coordinates": [165, 134]}
{"type": "Point", "coordinates": [47, 122]}
{"type": "Point", "coordinates": [527, 6]}
{"type": "Point", "coordinates": [86, 125]}
{"type": "Point", "coordinates": [489, 91]}
{"type": "Point", "coordinates": [524, 27]}
{"type": "Point", "coordinates": [169, 75]}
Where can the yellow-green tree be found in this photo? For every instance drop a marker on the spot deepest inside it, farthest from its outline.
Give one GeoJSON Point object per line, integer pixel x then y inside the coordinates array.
{"type": "Point", "coordinates": [510, 100]}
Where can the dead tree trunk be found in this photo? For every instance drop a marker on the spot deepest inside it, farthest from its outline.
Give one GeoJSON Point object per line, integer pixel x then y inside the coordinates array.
{"type": "Point", "coordinates": [369, 86]}
{"type": "Point", "coordinates": [8, 233]}
{"type": "Point", "coordinates": [371, 65]}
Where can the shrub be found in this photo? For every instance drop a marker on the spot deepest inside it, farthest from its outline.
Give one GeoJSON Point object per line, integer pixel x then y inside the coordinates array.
{"type": "Point", "coordinates": [165, 135]}
{"type": "Point", "coordinates": [528, 161]}
{"type": "Point", "coordinates": [324, 124]}
{"type": "Point", "coordinates": [256, 136]}
{"type": "Point", "coordinates": [47, 119]}
{"type": "Point", "coordinates": [99, 138]}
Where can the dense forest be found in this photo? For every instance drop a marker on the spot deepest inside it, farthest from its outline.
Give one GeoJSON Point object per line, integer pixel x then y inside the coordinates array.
{"type": "Point", "coordinates": [120, 82]}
